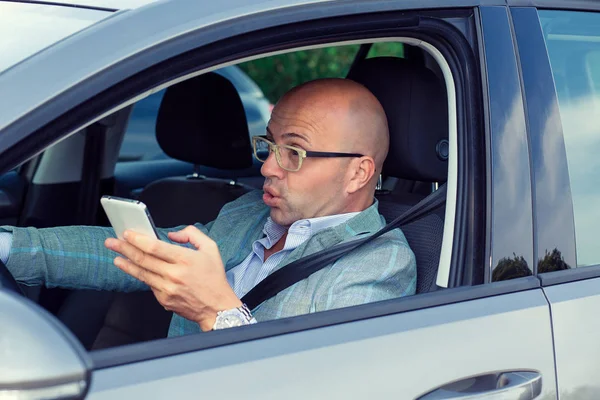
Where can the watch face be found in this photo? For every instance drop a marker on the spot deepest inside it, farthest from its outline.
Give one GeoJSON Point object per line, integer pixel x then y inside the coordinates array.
{"type": "Point", "coordinates": [229, 318]}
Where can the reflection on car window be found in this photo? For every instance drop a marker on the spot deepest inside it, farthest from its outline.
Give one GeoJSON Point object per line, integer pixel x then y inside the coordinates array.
{"type": "Point", "coordinates": [573, 41]}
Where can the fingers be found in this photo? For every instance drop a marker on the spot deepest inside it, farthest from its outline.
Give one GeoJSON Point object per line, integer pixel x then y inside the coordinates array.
{"type": "Point", "coordinates": [137, 256]}
{"type": "Point", "coordinates": [192, 235]}
{"type": "Point", "coordinates": [148, 277]}
{"type": "Point", "coordinates": [158, 248]}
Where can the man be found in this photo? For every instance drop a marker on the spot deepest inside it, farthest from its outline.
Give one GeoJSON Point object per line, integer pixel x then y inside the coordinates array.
{"type": "Point", "coordinates": [325, 146]}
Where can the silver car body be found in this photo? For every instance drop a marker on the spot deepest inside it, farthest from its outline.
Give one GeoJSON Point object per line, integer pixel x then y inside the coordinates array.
{"type": "Point", "coordinates": [402, 349]}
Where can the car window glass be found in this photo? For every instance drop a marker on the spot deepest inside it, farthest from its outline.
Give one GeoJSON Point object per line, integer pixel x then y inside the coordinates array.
{"type": "Point", "coordinates": [573, 41]}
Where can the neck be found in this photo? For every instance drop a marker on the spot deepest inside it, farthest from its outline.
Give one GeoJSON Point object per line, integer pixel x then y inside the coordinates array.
{"type": "Point", "coordinates": [277, 247]}
{"type": "Point", "coordinates": [360, 205]}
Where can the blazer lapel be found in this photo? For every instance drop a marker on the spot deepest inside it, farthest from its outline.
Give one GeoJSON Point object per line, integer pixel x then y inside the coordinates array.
{"type": "Point", "coordinates": [234, 231]}
{"type": "Point", "coordinates": [367, 222]}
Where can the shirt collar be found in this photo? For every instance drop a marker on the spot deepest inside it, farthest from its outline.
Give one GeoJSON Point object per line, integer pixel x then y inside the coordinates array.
{"type": "Point", "coordinates": [304, 227]}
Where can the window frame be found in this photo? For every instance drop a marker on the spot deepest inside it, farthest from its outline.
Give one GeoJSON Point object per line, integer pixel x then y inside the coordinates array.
{"type": "Point", "coordinates": [111, 357]}
{"type": "Point", "coordinates": [504, 112]}
{"type": "Point", "coordinates": [541, 104]}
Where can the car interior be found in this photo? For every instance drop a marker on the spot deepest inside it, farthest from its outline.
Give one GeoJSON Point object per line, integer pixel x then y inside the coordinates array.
{"type": "Point", "coordinates": [201, 126]}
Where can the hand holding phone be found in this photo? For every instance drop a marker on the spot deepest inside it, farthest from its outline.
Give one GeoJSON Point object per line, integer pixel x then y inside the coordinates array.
{"type": "Point", "coordinates": [127, 214]}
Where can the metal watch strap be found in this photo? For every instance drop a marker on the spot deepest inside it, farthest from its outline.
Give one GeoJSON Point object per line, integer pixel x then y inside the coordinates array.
{"type": "Point", "coordinates": [246, 311]}
{"type": "Point", "coordinates": [242, 314]}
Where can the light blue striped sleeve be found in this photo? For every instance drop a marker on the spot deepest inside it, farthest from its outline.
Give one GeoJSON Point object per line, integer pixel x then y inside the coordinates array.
{"type": "Point", "coordinates": [72, 257]}
{"type": "Point", "coordinates": [5, 245]}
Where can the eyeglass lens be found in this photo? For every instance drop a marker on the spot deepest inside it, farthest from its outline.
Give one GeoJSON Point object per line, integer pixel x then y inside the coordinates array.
{"type": "Point", "coordinates": [287, 157]}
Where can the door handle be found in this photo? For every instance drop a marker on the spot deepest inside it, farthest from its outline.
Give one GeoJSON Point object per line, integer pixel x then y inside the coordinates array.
{"type": "Point", "coordinates": [515, 385]}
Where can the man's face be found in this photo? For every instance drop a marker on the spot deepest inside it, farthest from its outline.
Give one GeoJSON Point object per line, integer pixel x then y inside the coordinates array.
{"type": "Point", "coordinates": [317, 189]}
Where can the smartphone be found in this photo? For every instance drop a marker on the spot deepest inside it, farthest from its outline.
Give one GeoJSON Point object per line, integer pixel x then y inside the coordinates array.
{"type": "Point", "coordinates": [129, 214]}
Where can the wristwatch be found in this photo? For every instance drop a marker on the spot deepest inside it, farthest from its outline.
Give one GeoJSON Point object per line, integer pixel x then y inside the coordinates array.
{"type": "Point", "coordinates": [234, 317]}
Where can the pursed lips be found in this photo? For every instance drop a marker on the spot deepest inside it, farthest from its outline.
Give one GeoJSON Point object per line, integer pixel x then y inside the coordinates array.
{"type": "Point", "coordinates": [270, 197]}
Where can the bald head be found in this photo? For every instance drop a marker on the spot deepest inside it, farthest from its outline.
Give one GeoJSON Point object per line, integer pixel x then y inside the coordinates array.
{"type": "Point", "coordinates": [331, 116]}
{"type": "Point", "coordinates": [347, 111]}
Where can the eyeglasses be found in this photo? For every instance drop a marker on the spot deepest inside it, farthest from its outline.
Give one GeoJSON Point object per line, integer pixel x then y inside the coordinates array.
{"type": "Point", "coordinates": [288, 157]}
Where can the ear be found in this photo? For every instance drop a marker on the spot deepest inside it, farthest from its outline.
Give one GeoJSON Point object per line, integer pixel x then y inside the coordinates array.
{"type": "Point", "coordinates": [360, 173]}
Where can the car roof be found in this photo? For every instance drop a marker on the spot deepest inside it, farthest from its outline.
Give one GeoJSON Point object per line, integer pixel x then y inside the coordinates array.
{"type": "Point", "coordinates": [101, 4]}
{"type": "Point", "coordinates": [144, 27]}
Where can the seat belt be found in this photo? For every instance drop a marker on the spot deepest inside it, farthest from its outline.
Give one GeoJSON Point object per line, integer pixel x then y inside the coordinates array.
{"type": "Point", "coordinates": [306, 266]}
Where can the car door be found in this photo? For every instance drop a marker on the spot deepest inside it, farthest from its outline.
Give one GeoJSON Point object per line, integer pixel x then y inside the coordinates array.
{"type": "Point", "coordinates": [489, 339]}
{"type": "Point", "coordinates": [560, 56]}
{"type": "Point", "coordinates": [499, 332]}
{"type": "Point", "coordinates": [497, 341]}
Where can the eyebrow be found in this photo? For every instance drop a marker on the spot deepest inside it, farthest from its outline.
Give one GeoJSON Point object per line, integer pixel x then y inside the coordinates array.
{"type": "Point", "coordinates": [290, 135]}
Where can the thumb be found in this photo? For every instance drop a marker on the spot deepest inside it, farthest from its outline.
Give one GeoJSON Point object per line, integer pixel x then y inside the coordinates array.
{"type": "Point", "coordinates": [179, 236]}
{"type": "Point", "coordinates": [193, 235]}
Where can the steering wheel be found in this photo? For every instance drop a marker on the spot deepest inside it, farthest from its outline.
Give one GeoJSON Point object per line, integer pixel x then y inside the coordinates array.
{"type": "Point", "coordinates": [8, 281]}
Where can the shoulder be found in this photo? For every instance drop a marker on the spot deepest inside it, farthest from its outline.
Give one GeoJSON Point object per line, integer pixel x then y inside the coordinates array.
{"type": "Point", "coordinates": [387, 256]}
{"type": "Point", "coordinates": [250, 199]}
{"type": "Point", "coordinates": [392, 241]}
{"type": "Point", "coordinates": [389, 251]}
{"type": "Point", "coordinates": [240, 214]}
{"type": "Point", "coordinates": [247, 204]}
{"type": "Point", "coordinates": [380, 270]}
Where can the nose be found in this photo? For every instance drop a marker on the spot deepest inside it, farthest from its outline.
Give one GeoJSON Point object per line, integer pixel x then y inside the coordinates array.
{"type": "Point", "coordinates": [270, 168]}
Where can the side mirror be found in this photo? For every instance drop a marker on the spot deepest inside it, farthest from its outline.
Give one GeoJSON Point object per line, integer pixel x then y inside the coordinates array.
{"type": "Point", "coordinates": [39, 358]}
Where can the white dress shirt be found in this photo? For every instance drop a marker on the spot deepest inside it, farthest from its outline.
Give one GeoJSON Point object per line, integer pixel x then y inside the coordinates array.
{"type": "Point", "coordinates": [5, 244]}
{"type": "Point", "coordinates": [254, 268]}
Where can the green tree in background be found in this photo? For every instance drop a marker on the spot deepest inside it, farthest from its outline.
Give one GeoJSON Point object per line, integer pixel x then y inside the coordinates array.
{"type": "Point", "coordinates": [277, 74]}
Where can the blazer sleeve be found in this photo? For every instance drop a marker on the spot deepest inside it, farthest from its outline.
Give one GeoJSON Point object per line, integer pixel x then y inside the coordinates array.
{"type": "Point", "coordinates": [383, 270]}
{"type": "Point", "coordinates": [71, 257]}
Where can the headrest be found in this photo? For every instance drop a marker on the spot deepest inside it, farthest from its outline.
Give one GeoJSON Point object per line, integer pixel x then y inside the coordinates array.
{"type": "Point", "coordinates": [202, 121]}
{"type": "Point", "coordinates": [416, 106]}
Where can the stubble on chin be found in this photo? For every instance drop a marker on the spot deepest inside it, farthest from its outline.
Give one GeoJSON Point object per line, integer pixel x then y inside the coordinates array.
{"type": "Point", "coordinates": [282, 218]}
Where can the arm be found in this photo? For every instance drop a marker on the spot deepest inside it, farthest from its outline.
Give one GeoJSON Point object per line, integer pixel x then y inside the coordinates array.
{"type": "Point", "coordinates": [385, 269]}
{"type": "Point", "coordinates": [69, 257]}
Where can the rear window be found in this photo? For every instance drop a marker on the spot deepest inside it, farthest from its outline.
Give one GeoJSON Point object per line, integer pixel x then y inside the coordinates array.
{"type": "Point", "coordinates": [573, 42]}
{"type": "Point", "coordinates": [27, 28]}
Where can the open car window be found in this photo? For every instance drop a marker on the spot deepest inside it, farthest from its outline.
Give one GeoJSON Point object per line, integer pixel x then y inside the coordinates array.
{"type": "Point", "coordinates": [158, 179]}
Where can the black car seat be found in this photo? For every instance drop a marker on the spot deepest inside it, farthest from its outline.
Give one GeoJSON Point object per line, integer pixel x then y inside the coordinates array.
{"type": "Point", "coordinates": [201, 121]}
{"type": "Point", "coordinates": [416, 106]}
